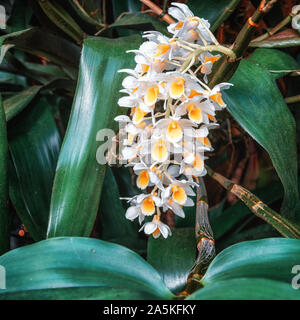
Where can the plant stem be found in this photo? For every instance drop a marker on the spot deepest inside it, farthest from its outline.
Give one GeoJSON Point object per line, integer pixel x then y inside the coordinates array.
{"type": "Point", "coordinates": [292, 99]}
{"type": "Point", "coordinates": [225, 14]}
{"type": "Point", "coordinates": [205, 242]}
{"type": "Point", "coordinates": [226, 67]}
{"type": "Point", "coordinates": [164, 16]}
{"type": "Point", "coordinates": [209, 48]}
{"type": "Point", "coordinates": [270, 33]}
{"type": "Point", "coordinates": [261, 210]}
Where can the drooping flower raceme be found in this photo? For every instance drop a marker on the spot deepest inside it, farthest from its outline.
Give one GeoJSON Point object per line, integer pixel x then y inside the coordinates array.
{"type": "Point", "coordinates": [171, 112]}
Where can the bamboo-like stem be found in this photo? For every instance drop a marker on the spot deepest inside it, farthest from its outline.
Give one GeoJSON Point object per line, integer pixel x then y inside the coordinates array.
{"type": "Point", "coordinates": [226, 67]}
{"type": "Point", "coordinates": [225, 14]}
{"type": "Point", "coordinates": [270, 33]}
{"type": "Point", "coordinates": [292, 99]}
{"type": "Point", "coordinates": [205, 242]}
{"type": "Point", "coordinates": [164, 16]}
{"type": "Point", "coordinates": [261, 210]}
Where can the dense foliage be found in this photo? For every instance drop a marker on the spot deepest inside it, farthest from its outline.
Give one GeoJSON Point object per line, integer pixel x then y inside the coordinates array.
{"type": "Point", "coordinates": [63, 227]}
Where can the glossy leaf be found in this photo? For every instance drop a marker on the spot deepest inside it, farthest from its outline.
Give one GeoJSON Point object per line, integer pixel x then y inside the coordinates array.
{"type": "Point", "coordinates": [173, 257]}
{"type": "Point", "coordinates": [79, 268]}
{"type": "Point", "coordinates": [114, 225]}
{"type": "Point", "coordinates": [34, 144]}
{"type": "Point", "coordinates": [140, 21]}
{"type": "Point", "coordinates": [19, 17]}
{"type": "Point", "coordinates": [274, 60]}
{"type": "Point", "coordinates": [257, 104]}
{"type": "Point", "coordinates": [62, 19]}
{"type": "Point", "coordinates": [18, 102]}
{"type": "Point", "coordinates": [283, 39]}
{"type": "Point", "coordinates": [212, 10]}
{"type": "Point", "coordinates": [40, 42]}
{"type": "Point", "coordinates": [247, 289]}
{"type": "Point", "coordinates": [261, 269]}
{"type": "Point", "coordinates": [271, 258]}
{"type": "Point", "coordinates": [84, 17]}
{"type": "Point", "coordinates": [4, 218]}
{"type": "Point", "coordinates": [79, 177]}
{"type": "Point", "coordinates": [120, 6]}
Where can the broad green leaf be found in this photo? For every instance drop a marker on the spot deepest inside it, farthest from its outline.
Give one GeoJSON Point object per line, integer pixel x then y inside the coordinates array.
{"type": "Point", "coordinates": [79, 177]}
{"type": "Point", "coordinates": [62, 19]}
{"type": "Point", "coordinates": [34, 144]}
{"type": "Point", "coordinates": [277, 43]}
{"type": "Point", "coordinates": [245, 233]}
{"type": "Point", "coordinates": [120, 6]}
{"type": "Point", "coordinates": [190, 216]}
{"type": "Point", "coordinates": [48, 69]}
{"type": "Point", "coordinates": [247, 289]}
{"type": "Point", "coordinates": [257, 104]}
{"type": "Point", "coordinates": [18, 102]}
{"type": "Point", "coordinates": [79, 268]}
{"type": "Point", "coordinates": [261, 269]}
{"type": "Point", "coordinates": [40, 42]}
{"type": "Point", "coordinates": [114, 225]}
{"type": "Point", "coordinates": [214, 11]}
{"type": "Point", "coordinates": [271, 258]}
{"type": "Point", "coordinates": [274, 61]}
{"type": "Point", "coordinates": [140, 21]}
{"type": "Point", "coordinates": [173, 257]}
{"type": "Point", "coordinates": [84, 18]}
{"type": "Point", "coordinates": [4, 218]}
{"type": "Point", "coordinates": [19, 17]}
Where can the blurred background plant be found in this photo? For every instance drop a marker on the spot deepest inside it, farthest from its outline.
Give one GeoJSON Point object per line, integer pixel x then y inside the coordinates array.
{"type": "Point", "coordinates": [59, 87]}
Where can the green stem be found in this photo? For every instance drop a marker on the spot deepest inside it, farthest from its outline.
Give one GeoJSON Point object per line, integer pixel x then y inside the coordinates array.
{"type": "Point", "coordinates": [225, 67]}
{"type": "Point", "coordinates": [292, 99]}
{"type": "Point", "coordinates": [270, 33]}
{"type": "Point", "coordinates": [261, 210]}
{"type": "Point", "coordinates": [228, 52]}
{"type": "Point", "coordinates": [225, 14]}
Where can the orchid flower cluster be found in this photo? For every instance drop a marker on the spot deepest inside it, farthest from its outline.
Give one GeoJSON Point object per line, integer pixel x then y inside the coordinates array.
{"type": "Point", "coordinates": [171, 112]}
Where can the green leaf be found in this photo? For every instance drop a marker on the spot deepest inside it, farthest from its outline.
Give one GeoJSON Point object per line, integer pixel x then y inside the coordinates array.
{"type": "Point", "coordinates": [40, 42]}
{"type": "Point", "coordinates": [79, 177]}
{"type": "Point", "coordinates": [140, 21]}
{"type": "Point", "coordinates": [86, 20]}
{"type": "Point", "coordinates": [247, 289]}
{"type": "Point", "coordinates": [173, 257]}
{"type": "Point", "coordinates": [212, 10]}
{"type": "Point", "coordinates": [19, 17]}
{"type": "Point", "coordinates": [257, 104]}
{"type": "Point", "coordinates": [274, 61]}
{"type": "Point", "coordinates": [114, 225]}
{"type": "Point", "coordinates": [120, 6]}
{"type": "Point", "coordinates": [34, 144]}
{"type": "Point", "coordinates": [277, 43]}
{"type": "Point", "coordinates": [4, 217]}
{"type": "Point", "coordinates": [15, 104]}
{"type": "Point", "coordinates": [260, 269]}
{"type": "Point", "coordinates": [271, 258]}
{"type": "Point", "coordinates": [62, 19]}
{"type": "Point", "coordinates": [79, 268]}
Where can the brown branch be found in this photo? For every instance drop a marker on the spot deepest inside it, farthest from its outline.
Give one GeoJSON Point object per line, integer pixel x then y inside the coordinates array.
{"type": "Point", "coordinates": [160, 12]}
